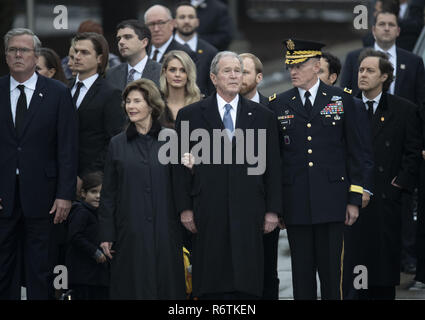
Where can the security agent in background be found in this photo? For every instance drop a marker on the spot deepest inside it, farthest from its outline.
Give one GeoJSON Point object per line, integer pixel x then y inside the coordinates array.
{"type": "Point", "coordinates": [252, 76]}
{"type": "Point", "coordinates": [330, 67]}
{"type": "Point", "coordinates": [187, 23]}
{"type": "Point", "coordinates": [322, 171]}
{"type": "Point", "coordinates": [397, 146]}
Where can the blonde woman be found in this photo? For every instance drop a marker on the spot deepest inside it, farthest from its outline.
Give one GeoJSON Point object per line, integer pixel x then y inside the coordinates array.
{"type": "Point", "coordinates": [177, 84]}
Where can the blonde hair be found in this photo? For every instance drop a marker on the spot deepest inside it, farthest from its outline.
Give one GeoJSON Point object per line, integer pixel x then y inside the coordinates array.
{"type": "Point", "coordinates": [192, 92]}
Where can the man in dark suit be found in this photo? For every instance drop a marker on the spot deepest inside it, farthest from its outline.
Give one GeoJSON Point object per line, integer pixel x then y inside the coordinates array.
{"type": "Point", "coordinates": [38, 165]}
{"type": "Point", "coordinates": [224, 204]}
{"type": "Point", "coordinates": [160, 22]}
{"type": "Point", "coordinates": [397, 146]}
{"type": "Point", "coordinates": [252, 76]}
{"type": "Point", "coordinates": [409, 70]}
{"type": "Point", "coordinates": [216, 25]}
{"type": "Point", "coordinates": [100, 115]}
{"type": "Point", "coordinates": [133, 38]}
{"type": "Point", "coordinates": [409, 83]}
{"type": "Point", "coordinates": [186, 25]}
{"type": "Point", "coordinates": [322, 168]}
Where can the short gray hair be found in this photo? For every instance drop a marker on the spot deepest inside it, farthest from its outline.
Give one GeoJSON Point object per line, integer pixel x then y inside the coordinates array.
{"type": "Point", "coordinates": [168, 11]}
{"type": "Point", "coordinates": [20, 32]}
{"type": "Point", "coordinates": [219, 56]}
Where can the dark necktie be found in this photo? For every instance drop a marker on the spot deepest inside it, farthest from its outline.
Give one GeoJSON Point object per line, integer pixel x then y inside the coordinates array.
{"type": "Point", "coordinates": [370, 109]}
{"type": "Point", "coordinates": [21, 110]}
{"type": "Point", "coordinates": [77, 92]}
{"type": "Point", "coordinates": [307, 103]}
{"type": "Point", "coordinates": [131, 75]}
{"type": "Point", "coordinates": [155, 55]}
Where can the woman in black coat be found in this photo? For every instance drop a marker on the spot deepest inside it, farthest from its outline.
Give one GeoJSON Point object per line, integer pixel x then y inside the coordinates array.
{"type": "Point", "coordinates": [139, 227]}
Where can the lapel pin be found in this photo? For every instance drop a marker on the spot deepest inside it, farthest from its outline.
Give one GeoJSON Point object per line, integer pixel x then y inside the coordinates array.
{"type": "Point", "coordinates": [382, 119]}
{"type": "Point", "coordinates": [249, 113]}
{"type": "Point", "coordinates": [324, 93]}
{"type": "Point", "coordinates": [402, 66]}
{"type": "Point", "coordinates": [294, 97]}
{"type": "Point", "coordinates": [200, 51]}
{"type": "Point", "coordinates": [41, 95]}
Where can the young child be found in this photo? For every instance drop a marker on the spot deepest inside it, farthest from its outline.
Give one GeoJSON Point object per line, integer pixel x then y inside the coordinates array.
{"type": "Point", "coordinates": [88, 268]}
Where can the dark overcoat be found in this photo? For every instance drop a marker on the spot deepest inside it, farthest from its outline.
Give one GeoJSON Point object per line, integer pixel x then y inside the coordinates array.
{"type": "Point", "coordinates": [397, 146]}
{"type": "Point", "coordinates": [137, 214]}
{"type": "Point", "coordinates": [228, 203]}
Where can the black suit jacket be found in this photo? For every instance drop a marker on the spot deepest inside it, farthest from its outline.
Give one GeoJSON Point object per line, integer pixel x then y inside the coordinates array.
{"type": "Point", "coordinates": [100, 117]}
{"type": "Point", "coordinates": [45, 153]}
{"type": "Point", "coordinates": [215, 24]}
{"type": "Point", "coordinates": [205, 53]}
{"type": "Point", "coordinates": [228, 203]}
{"type": "Point", "coordinates": [410, 75]}
{"type": "Point", "coordinates": [174, 45]}
{"type": "Point", "coordinates": [396, 139]}
{"type": "Point", "coordinates": [322, 156]}
{"type": "Point", "coordinates": [117, 76]}
{"type": "Point", "coordinates": [263, 100]}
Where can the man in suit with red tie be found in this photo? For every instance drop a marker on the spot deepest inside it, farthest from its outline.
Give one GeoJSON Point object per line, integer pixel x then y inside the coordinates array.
{"type": "Point", "coordinates": [38, 165]}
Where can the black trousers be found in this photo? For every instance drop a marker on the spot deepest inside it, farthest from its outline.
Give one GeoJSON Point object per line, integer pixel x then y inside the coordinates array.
{"type": "Point", "coordinates": [86, 292]}
{"type": "Point", "coordinates": [24, 245]}
{"type": "Point", "coordinates": [408, 230]}
{"type": "Point", "coordinates": [315, 248]}
{"type": "Point", "coordinates": [236, 295]}
{"type": "Point", "coordinates": [271, 279]}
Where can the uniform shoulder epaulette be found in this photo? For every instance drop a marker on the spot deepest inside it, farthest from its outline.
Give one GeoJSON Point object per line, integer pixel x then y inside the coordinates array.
{"type": "Point", "coordinates": [349, 91]}
{"type": "Point", "coordinates": [271, 98]}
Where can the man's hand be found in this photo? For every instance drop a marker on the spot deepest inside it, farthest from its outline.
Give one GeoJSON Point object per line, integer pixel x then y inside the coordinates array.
{"type": "Point", "coordinates": [101, 259]}
{"type": "Point", "coordinates": [270, 222]}
{"type": "Point", "coordinates": [186, 218]}
{"type": "Point", "coordinates": [61, 207]}
{"type": "Point", "coordinates": [351, 214]}
{"type": "Point", "coordinates": [365, 199]}
{"type": "Point", "coordinates": [106, 247]}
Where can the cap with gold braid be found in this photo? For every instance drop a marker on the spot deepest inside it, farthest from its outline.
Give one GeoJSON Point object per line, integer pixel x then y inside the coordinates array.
{"type": "Point", "coordinates": [298, 51]}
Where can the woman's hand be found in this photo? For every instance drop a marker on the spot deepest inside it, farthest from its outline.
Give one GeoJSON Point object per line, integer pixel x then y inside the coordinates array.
{"type": "Point", "coordinates": [106, 247]}
{"type": "Point", "coordinates": [188, 160]}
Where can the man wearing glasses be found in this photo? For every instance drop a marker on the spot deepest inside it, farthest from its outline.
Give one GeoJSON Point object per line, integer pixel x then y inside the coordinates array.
{"type": "Point", "coordinates": [161, 24]}
{"type": "Point", "coordinates": [38, 165]}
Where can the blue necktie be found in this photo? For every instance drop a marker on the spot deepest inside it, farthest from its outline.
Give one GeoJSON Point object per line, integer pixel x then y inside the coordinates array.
{"type": "Point", "coordinates": [227, 120]}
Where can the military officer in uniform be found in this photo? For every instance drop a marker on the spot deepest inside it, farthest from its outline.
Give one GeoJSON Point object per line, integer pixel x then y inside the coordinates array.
{"type": "Point", "coordinates": [322, 168]}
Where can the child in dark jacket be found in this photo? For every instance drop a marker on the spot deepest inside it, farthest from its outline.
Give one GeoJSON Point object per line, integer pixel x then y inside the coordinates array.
{"type": "Point", "coordinates": [88, 268]}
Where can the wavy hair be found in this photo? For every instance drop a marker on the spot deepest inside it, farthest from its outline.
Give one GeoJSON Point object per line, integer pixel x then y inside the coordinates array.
{"type": "Point", "coordinates": [192, 92]}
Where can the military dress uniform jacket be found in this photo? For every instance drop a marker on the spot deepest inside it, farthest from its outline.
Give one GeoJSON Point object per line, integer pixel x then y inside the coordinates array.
{"type": "Point", "coordinates": [322, 162]}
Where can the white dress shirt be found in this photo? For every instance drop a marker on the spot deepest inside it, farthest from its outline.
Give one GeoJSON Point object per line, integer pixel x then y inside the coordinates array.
{"type": "Point", "coordinates": [30, 85]}
{"type": "Point", "coordinates": [221, 109]}
{"type": "Point", "coordinates": [375, 101]}
{"type": "Point", "coordinates": [138, 68]}
{"type": "Point", "coordinates": [256, 97]}
{"type": "Point", "coordinates": [392, 53]}
{"type": "Point", "coordinates": [161, 50]}
{"type": "Point", "coordinates": [192, 43]}
{"type": "Point", "coordinates": [87, 83]}
{"type": "Point", "coordinates": [313, 92]}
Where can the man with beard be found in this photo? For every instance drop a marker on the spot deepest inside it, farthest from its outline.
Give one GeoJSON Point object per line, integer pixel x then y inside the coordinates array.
{"type": "Point", "coordinates": [187, 23]}
{"type": "Point", "coordinates": [133, 38]}
{"type": "Point", "coordinates": [251, 78]}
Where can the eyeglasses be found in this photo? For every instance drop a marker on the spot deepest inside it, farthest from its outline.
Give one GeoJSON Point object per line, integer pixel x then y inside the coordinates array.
{"type": "Point", "coordinates": [160, 24]}
{"type": "Point", "coordinates": [13, 50]}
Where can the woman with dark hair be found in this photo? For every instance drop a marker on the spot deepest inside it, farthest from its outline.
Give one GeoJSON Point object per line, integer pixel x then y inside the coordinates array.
{"type": "Point", "coordinates": [178, 84]}
{"type": "Point", "coordinates": [49, 65]}
{"type": "Point", "coordinates": [139, 226]}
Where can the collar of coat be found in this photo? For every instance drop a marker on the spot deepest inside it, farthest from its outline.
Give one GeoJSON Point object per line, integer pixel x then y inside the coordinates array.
{"type": "Point", "coordinates": [132, 133]}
